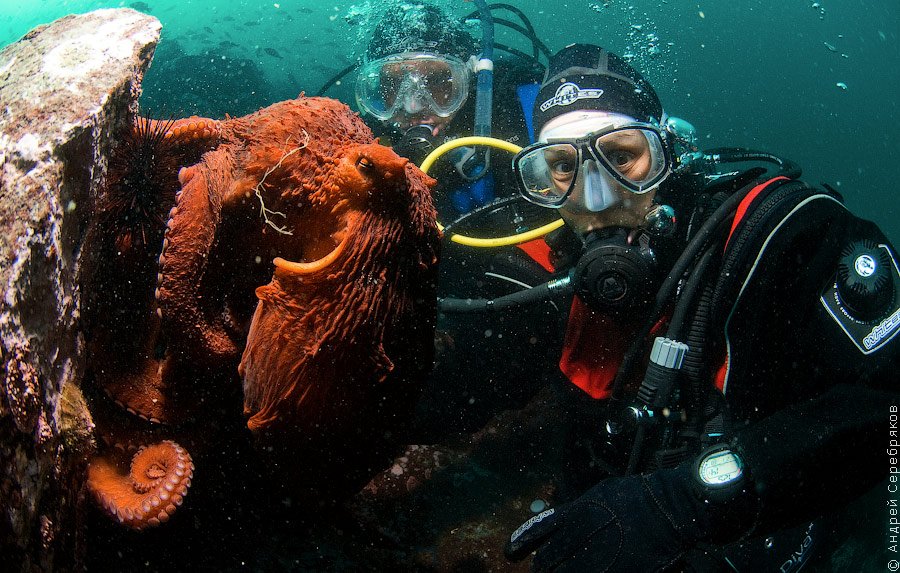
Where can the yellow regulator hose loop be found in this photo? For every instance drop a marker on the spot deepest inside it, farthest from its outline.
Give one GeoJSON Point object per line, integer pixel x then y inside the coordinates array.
{"type": "Point", "coordinates": [499, 241]}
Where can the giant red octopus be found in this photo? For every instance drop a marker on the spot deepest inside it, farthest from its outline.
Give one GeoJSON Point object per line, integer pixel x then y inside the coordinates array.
{"type": "Point", "coordinates": [337, 238]}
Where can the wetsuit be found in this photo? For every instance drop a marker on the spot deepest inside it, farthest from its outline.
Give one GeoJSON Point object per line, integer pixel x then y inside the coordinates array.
{"type": "Point", "coordinates": [797, 378]}
{"type": "Point", "coordinates": [809, 399]}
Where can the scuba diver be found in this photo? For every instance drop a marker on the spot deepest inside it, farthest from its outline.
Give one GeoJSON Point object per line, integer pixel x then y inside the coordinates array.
{"type": "Point", "coordinates": [416, 76]}
{"type": "Point", "coordinates": [426, 80]}
{"type": "Point", "coordinates": [732, 337]}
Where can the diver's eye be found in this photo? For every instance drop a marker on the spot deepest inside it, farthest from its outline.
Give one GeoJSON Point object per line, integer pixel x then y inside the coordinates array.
{"type": "Point", "coordinates": [562, 168]}
{"type": "Point", "coordinates": [620, 158]}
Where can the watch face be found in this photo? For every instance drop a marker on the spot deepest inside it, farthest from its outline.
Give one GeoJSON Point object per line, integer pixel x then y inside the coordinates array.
{"type": "Point", "coordinates": [720, 468]}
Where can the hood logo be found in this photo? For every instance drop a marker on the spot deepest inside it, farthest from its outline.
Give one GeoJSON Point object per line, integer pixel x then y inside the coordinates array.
{"type": "Point", "coordinates": [569, 93]}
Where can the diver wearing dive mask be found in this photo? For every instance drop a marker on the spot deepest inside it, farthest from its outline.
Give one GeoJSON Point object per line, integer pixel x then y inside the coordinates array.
{"type": "Point", "coordinates": [418, 80]}
{"type": "Point", "coordinates": [600, 169]}
{"type": "Point", "coordinates": [415, 76]}
{"type": "Point", "coordinates": [740, 393]}
{"type": "Point", "coordinates": [417, 94]}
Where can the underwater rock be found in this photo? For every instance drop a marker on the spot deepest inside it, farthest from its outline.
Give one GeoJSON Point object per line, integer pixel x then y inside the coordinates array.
{"type": "Point", "coordinates": [451, 507]}
{"type": "Point", "coordinates": [64, 88]}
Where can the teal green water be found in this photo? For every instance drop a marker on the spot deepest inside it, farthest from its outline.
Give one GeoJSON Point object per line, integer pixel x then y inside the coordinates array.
{"type": "Point", "coordinates": [813, 81]}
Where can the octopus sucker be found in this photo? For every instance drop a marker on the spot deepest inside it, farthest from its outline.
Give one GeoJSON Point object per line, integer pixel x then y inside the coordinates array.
{"type": "Point", "coordinates": [134, 497]}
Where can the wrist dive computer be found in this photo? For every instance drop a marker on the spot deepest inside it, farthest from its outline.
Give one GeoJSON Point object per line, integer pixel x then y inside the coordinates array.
{"type": "Point", "coordinates": [719, 473]}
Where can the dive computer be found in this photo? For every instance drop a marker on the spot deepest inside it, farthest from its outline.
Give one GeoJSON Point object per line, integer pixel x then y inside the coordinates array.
{"type": "Point", "coordinates": [719, 472]}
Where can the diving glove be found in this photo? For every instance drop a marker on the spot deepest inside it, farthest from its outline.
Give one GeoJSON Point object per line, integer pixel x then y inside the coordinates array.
{"type": "Point", "coordinates": [634, 523]}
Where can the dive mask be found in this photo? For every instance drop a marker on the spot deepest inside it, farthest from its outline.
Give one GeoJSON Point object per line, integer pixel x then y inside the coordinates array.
{"type": "Point", "coordinates": [412, 84]}
{"type": "Point", "coordinates": [634, 155]}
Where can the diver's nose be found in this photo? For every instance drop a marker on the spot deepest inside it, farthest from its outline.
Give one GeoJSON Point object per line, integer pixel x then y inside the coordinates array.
{"type": "Point", "coordinates": [586, 171]}
{"type": "Point", "coordinates": [598, 188]}
{"type": "Point", "coordinates": [413, 104]}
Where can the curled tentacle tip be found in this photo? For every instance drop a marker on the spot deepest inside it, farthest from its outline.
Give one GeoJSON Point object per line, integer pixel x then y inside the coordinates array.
{"type": "Point", "coordinates": [159, 478]}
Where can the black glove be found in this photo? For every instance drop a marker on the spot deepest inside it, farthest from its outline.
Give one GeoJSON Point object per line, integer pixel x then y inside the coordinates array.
{"type": "Point", "coordinates": [634, 523]}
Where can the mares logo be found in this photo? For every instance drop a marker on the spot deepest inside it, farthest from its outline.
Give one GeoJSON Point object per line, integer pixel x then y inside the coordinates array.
{"type": "Point", "coordinates": [569, 93]}
{"type": "Point", "coordinates": [882, 331]}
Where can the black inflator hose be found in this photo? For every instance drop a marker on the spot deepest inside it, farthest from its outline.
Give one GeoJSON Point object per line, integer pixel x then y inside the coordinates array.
{"type": "Point", "coordinates": [542, 292]}
{"type": "Point", "coordinates": [786, 167]}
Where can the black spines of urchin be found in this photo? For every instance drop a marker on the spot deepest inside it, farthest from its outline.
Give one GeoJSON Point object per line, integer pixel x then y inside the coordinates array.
{"type": "Point", "coordinates": [142, 179]}
{"type": "Point", "coordinates": [125, 235]}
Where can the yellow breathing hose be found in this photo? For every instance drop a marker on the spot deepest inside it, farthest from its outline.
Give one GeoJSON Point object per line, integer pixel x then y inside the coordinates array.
{"type": "Point", "coordinates": [475, 241]}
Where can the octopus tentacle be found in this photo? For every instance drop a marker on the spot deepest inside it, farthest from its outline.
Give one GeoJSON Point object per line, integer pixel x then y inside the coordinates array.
{"type": "Point", "coordinates": [191, 129]}
{"type": "Point", "coordinates": [149, 494]}
{"type": "Point", "coordinates": [189, 237]}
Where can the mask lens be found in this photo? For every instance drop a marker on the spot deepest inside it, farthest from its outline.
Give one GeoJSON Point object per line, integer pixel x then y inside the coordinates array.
{"type": "Point", "coordinates": [369, 93]}
{"type": "Point", "coordinates": [635, 155]}
{"type": "Point", "coordinates": [436, 83]}
{"type": "Point", "coordinates": [438, 79]}
{"type": "Point", "coordinates": [391, 82]}
{"type": "Point", "coordinates": [546, 173]}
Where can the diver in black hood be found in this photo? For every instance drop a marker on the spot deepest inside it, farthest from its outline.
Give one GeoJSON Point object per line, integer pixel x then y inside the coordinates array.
{"type": "Point", "coordinates": [416, 76]}
{"type": "Point", "coordinates": [417, 79]}
{"type": "Point", "coordinates": [769, 314]}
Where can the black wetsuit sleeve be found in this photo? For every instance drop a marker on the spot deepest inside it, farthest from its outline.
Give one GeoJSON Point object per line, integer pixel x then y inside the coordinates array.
{"type": "Point", "coordinates": [812, 411]}
{"type": "Point", "coordinates": [813, 457]}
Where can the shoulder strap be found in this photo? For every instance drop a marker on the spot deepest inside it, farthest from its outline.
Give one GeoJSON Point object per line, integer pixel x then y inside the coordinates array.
{"type": "Point", "coordinates": [527, 93]}
{"type": "Point", "coordinates": [760, 213]}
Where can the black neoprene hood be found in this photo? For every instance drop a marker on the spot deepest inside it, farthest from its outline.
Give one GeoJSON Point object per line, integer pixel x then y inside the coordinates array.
{"type": "Point", "coordinates": [583, 76]}
{"type": "Point", "coordinates": [420, 28]}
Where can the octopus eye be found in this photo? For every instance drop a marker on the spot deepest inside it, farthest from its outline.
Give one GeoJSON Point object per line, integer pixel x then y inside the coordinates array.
{"type": "Point", "coordinates": [364, 163]}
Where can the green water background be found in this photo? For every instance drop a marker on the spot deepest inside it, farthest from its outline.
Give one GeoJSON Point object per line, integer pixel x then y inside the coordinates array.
{"type": "Point", "coordinates": [764, 74]}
